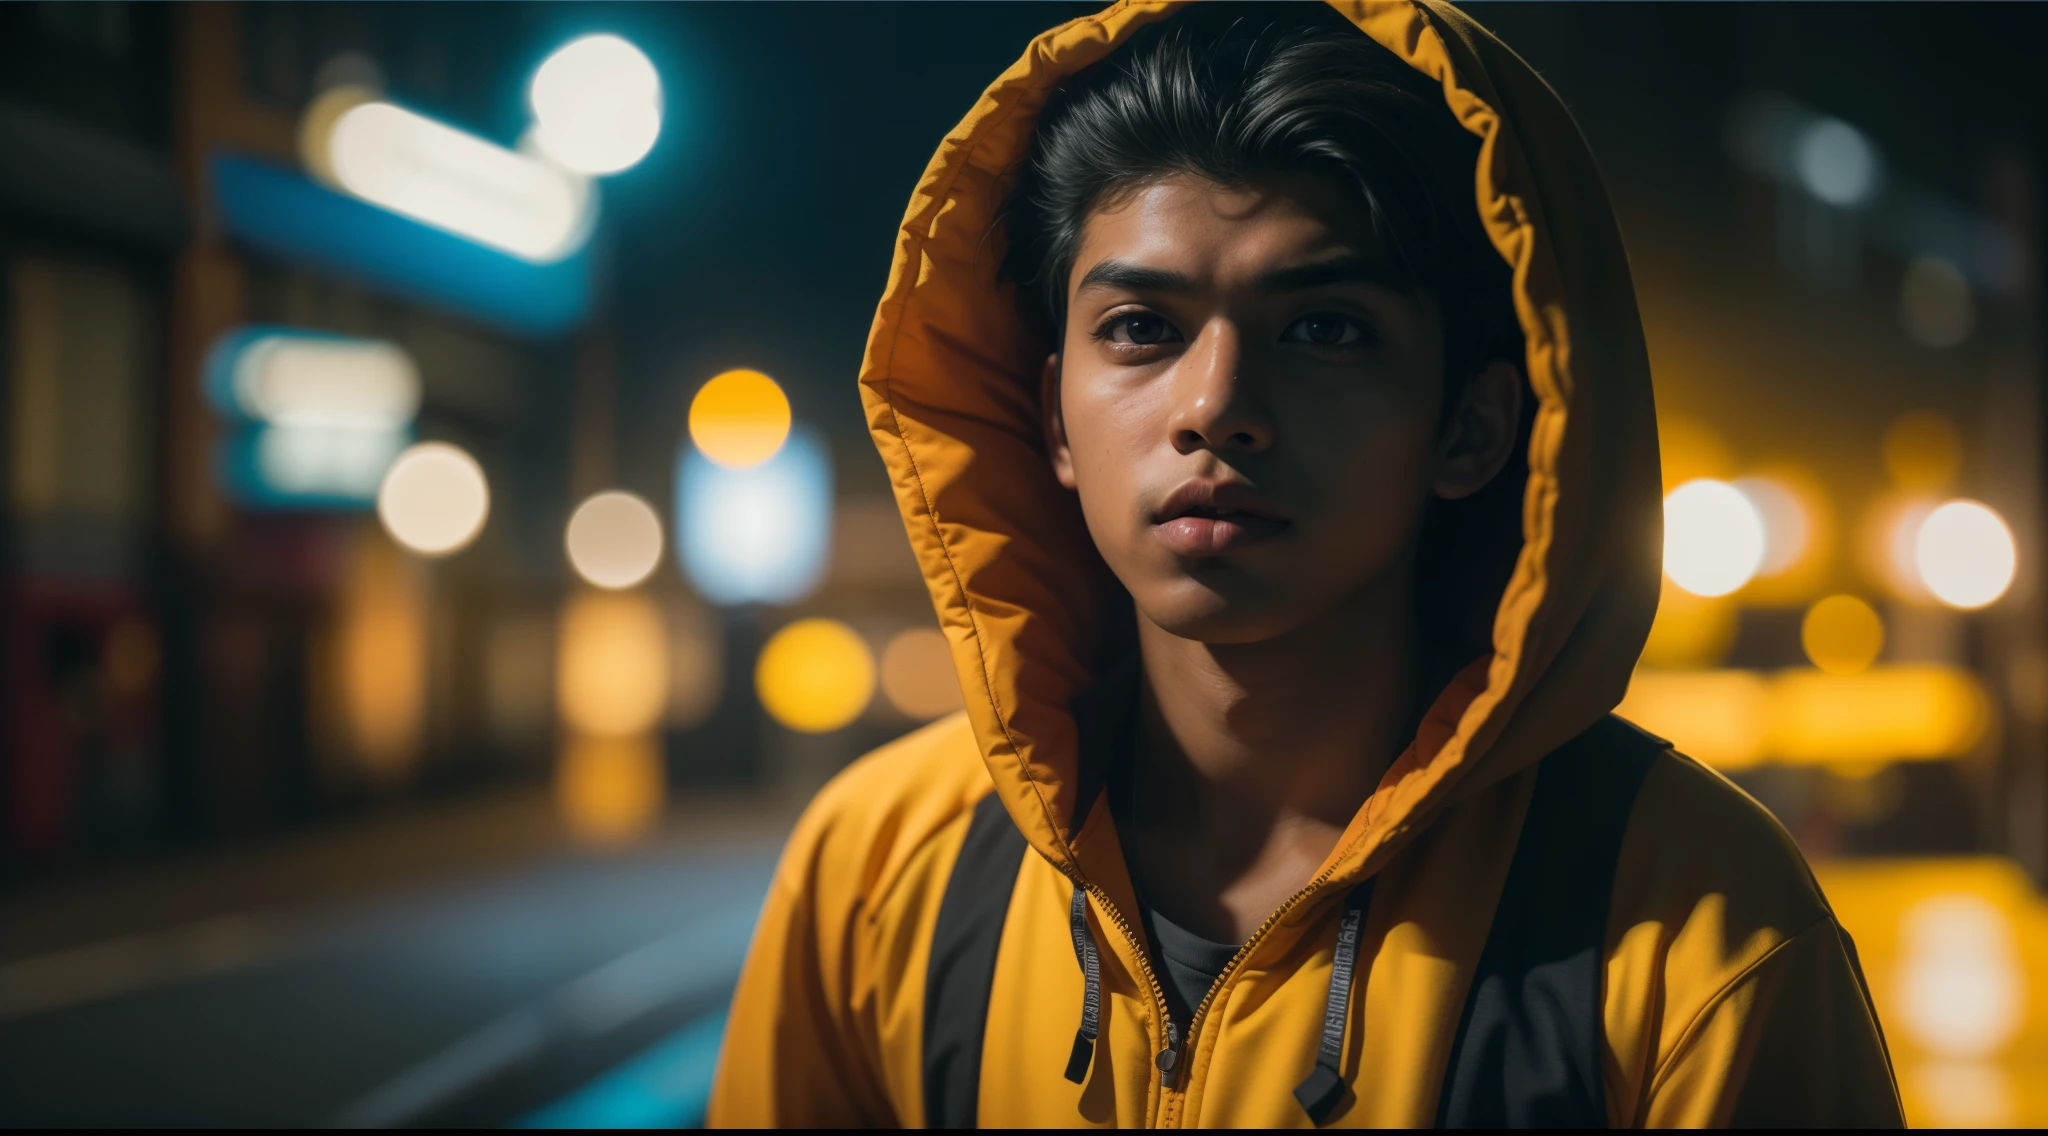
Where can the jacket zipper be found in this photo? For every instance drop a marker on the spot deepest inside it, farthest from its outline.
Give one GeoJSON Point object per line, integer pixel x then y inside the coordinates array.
{"type": "Point", "coordinates": [1167, 1060]}
{"type": "Point", "coordinates": [1229, 968]}
{"type": "Point", "coordinates": [1170, 1061]}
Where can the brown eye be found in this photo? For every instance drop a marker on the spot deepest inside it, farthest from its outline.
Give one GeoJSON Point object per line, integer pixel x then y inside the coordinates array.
{"type": "Point", "coordinates": [1141, 329]}
{"type": "Point", "coordinates": [1325, 329]}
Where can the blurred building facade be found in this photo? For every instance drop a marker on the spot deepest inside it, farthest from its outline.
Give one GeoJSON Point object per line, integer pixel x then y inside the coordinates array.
{"type": "Point", "coordinates": [191, 656]}
{"type": "Point", "coordinates": [1835, 222]}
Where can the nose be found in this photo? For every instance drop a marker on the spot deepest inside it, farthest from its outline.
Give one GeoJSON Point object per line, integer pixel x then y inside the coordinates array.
{"type": "Point", "coordinates": [1214, 408]}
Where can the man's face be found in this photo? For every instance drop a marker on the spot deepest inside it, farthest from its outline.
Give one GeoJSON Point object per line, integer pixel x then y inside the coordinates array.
{"type": "Point", "coordinates": [1248, 410]}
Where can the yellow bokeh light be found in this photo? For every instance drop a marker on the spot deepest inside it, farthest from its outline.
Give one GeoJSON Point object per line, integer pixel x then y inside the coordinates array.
{"type": "Point", "coordinates": [614, 540]}
{"type": "Point", "coordinates": [1902, 713]}
{"type": "Point", "coordinates": [1719, 717]}
{"type": "Point", "coordinates": [1922, 452]}
{"type": "Point", "coordinates": [1799, 534]}
{"type": "Point", "coordinates": [1889, 529]}
{"type": "Point", "coordinates": [1955, 949]}
{"type": "Point", "coordinates": [1689, 450]}
{"type": "Point", "coordinates": [739, 419]}
{"type": "Point", "coordinates": [1965, 554]}
{"type": "Point", "coordinates": [610, 790]}
{"type": "Point", "coordinates": [382, 647]}
{"type": "Point", "coordinates": [1842, 635]}
{"type": "Point", "coordinates": [1713, 537]}
{"type": "Point", "coordinates": [1735, 719]}
{"type": "Point", "coordinates": [917, 674]}
{"type": "Point", "coordinates": [1786, 528]}
{"type": "Point", "coordinates": [815, 676]}
{"type": "Point", "coordinates": [434, 499]}
{"type": "Point", "coordinates": [1960, 989]}
{"type": "Point", "coordinates": [1690, 631]}
{"type": "Point", "coordinates": [611, 666]}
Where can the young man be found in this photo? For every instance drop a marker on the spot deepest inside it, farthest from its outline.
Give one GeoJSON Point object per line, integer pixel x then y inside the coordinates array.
{"type": "Point", "coordinates": [1266, 400]}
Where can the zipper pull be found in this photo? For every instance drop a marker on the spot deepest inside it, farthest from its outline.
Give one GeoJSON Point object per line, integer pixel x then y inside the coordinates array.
{"type": "Point", "coordinates": [1168, 1059]}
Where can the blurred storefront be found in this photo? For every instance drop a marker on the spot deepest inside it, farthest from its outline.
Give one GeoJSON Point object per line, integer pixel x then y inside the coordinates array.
{"type": "Point", "coordinates": [281, 279]}
{"type": "Point", "coordinates": [90, 220]}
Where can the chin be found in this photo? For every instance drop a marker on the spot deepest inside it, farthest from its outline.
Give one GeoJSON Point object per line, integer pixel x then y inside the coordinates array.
{"type": "Point", "coordinates": [1220, 612]}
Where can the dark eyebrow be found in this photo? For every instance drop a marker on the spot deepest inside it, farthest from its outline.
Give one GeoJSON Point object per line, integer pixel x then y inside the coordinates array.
{"type": "Point", "coordinates": [1343, 270]}
{"type": "Point", "coordinates": [1134, 278]}
{"type": "Point", "coordinates": [1129, 277]}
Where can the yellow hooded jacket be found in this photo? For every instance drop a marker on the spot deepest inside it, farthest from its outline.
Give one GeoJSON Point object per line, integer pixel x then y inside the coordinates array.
{"type": "Point", "coordinates": [1730, 994]}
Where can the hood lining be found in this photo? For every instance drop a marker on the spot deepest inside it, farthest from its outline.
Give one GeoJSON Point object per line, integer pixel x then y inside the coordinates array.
{"type": "Point", "coordinates": [1469, 710]}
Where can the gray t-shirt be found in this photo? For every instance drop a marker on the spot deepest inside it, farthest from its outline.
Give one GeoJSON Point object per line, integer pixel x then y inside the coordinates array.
{"type": "Point", "coordinates": [1192, 964]}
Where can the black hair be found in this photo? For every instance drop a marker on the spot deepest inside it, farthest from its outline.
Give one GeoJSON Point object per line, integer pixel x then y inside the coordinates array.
{"type": "Point", "coordinates": [1232, 92]}
{"type": "Point", "coordinates": [1235, 92]}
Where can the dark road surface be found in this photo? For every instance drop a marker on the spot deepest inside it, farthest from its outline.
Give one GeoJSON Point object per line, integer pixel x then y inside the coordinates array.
{"type": "Point", "coordinates": [492, 1000]}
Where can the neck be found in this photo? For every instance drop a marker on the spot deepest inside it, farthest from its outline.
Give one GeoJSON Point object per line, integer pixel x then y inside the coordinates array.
{"type": "Point", "coordinates": [1251, 759]}
{"type": "Point", "coordinates": [1302, 724]}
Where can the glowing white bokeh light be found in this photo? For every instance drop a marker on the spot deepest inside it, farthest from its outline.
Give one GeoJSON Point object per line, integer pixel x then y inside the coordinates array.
{"type": "Point", "coordinates": [1961, 989]}
{"type": "Point", "coordinates": [325, 461]}
{"type": "Point", "coordinates": [453, 180]}
{"type": "Point", "coordinates": [596, 105]}
{"type": "Point", "coordinates": [614, 539]}
{"type": "Point", "coordinates": [1787, 528]}
{"type": "Point", "coordinates": [330, 381]}
{"type": "Point", "coordinates": [434, 499]}
{"type": "Point", "coordinates": [1965, 554]}
{"type": "Point", "coordinates": [1713, 537]}
{"type": "Point", "coordinates": [759, 534]}
{"type": "Point", "coordinates": [1836, 163]}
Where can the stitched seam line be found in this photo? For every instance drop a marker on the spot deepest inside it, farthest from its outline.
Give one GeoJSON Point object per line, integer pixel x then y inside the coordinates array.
{"type": "Point", "coordinates": [1691, 1032]}
{"type": "Point", "coordinates": [914, 253]}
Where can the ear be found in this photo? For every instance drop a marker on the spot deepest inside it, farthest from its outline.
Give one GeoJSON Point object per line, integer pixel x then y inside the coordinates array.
{"type": "Point", "coordinates": [1477, 440]}
{"type": "Point", "coordinates": [1055, 422]}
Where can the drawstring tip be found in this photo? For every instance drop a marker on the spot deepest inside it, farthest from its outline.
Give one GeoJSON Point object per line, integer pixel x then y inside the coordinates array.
{"type": "Point", "coordinates": [1320, 1093]}
{"type": "Point", "coordinates": [1078, 1060]}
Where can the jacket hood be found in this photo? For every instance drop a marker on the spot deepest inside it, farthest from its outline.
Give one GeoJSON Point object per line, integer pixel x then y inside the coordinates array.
{"type": "Point", "coordinates": [950, 387]}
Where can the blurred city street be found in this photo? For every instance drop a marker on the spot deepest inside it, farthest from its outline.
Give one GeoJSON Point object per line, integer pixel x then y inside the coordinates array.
{"type": "Point", "coordinates": [443, 547]}
{"type": "Point", "coordinates": [306, 990]}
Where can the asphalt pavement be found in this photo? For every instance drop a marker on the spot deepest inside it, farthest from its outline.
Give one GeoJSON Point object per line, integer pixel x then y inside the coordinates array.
{"type": "Point", "coordinates": [569, 988]}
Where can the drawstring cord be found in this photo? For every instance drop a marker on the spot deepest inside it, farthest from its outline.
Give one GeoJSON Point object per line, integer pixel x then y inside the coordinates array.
{"type": "Point", "coordinates": [1324, 1087]}
{"type": "Point", "coordinates": [1091, 995]}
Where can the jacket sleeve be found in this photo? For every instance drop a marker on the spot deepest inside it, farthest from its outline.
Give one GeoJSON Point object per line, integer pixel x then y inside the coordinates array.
{"type": "Point", "coordinates": [1792, 1042]}
{"type": "Point", "coordinates": [794, 1055]}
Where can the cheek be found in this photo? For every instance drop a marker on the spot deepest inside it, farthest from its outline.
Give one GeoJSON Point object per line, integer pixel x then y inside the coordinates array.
{"type": "Point", "coordinates": [1368, 464]}
{"type": "Point", "coordinates": [1107, 431]}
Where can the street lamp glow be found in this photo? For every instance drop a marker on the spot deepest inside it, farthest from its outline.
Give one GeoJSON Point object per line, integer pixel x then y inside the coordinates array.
{"type": "Point", "coordinates": [293, 379]}
{"type": "Point", "coordinates": [760, 534]}
{"type": "Point", "coordinates": [1836, 163]}
{"type": "Point", "coordinates": [1965, 554]}
{"type": "Point", "coordinates": [453, 180]}
{"type": "Point", "coordinates": [596, 105]}
{"type": "Point", "coordinates": [739, 419]}
{"type": "Point", "coordinates": [1788, 530]}
{"type": "Point", "coordinates": [1713, 537]}
{"type": "Point", "coordinates": [1960, 987]}
{"type": "Point", "coordinates": [434, 499]}
{"type": "Point", "coordinates": [614, 540]}
{"type": "Point", "coordinates": [815, 676]}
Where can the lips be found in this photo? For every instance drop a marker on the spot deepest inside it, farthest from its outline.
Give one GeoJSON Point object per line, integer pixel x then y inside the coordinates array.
{"type": "Point", "coordinates": [1210, 518]}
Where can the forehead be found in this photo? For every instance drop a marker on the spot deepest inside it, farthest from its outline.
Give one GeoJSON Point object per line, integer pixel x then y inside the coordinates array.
{"type": "Point", "coordinates": [1198, 228]}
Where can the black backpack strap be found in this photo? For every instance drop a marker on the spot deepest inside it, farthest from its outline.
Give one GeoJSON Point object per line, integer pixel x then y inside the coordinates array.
{"type": "Point", "coordinates": [963, 963]}
{"type": "Point", "coordinates": [1528, 1048]}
